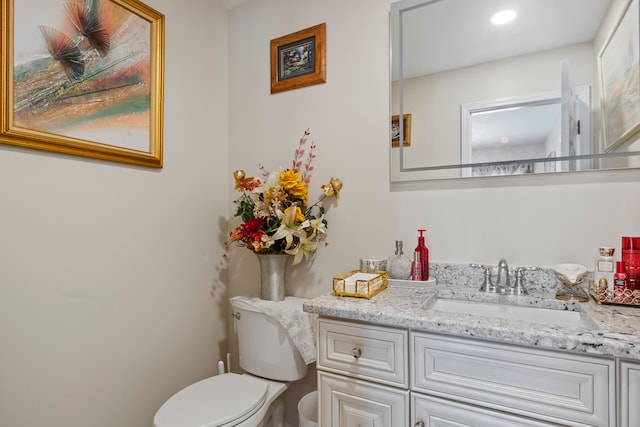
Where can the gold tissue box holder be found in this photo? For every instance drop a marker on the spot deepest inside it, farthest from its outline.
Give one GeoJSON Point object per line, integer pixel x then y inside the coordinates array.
{"type": "Point", "coordinates": [621, 297]}
{"type": "Point", "coordinates": [344, 287]}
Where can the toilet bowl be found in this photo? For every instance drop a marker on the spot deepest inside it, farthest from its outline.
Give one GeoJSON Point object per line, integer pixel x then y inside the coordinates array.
{"type": "Point", "coordinates": [270, 359]}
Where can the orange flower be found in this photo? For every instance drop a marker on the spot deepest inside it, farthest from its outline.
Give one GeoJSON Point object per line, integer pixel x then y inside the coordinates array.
{"type": "Point", "coordinates": [243, 183]}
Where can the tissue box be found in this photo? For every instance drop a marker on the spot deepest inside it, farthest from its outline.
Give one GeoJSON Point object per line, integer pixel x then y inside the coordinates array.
{"type": "Point", "coordinates": [360, 284]}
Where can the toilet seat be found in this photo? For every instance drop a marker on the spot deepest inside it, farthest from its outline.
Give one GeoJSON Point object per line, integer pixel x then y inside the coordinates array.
{"type": "Point", "coordinates": [223, 400]}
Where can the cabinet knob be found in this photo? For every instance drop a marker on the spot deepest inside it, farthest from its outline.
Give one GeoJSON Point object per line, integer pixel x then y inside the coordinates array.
{"type": "Point", "coordinates": [419, 424]}
{"type": "Point", "coordinates": [356, 353]}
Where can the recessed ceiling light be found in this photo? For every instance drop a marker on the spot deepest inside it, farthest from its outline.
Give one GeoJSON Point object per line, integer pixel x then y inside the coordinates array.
{"type": "Point", "coordinates": [503, 17]}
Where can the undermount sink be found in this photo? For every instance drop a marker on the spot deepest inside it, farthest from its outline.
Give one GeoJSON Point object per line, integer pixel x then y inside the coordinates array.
{"type": "Point", "coordinates": [552, 316]}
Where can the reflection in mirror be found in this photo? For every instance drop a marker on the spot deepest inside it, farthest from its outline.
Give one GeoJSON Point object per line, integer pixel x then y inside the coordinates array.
{"type": "Point", "coordinates": [497, 135]}
{"type": "Point", "coordinates": [525, 97]}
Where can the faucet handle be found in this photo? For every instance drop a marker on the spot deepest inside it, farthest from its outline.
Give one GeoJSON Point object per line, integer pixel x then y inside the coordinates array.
{"type": "Point", "coordinates": [518, 287]}
{"type": "Point", "coordinates": [520, 271]}
{"type": "Point", "coordinates": [487, 285]}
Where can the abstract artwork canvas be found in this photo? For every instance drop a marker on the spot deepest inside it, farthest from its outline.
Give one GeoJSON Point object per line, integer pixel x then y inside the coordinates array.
{"type": "Point", "coordinates": [84, 77]}
{"type": "Point", "coordinates": [619, 63]}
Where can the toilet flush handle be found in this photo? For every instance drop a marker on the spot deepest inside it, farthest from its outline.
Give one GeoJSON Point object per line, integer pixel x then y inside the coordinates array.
{"type": "Point", "coordinates": [236, 317]}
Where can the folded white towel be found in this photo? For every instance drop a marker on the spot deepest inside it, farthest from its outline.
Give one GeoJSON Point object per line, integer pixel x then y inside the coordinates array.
{"type": "Point", "coordinates": [298, 324]}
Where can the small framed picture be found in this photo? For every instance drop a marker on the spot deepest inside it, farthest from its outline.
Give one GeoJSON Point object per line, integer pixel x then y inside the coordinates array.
{"type": "Point", "coordinates": [298, 59]}
{"type": "Point", "coordinates": [395, 130]}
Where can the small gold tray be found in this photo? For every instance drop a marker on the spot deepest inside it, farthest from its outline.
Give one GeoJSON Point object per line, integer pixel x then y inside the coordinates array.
{"type": "Point", "coordinates": [624, 297]}
{"type": "Point", "coordinates": [360, 288]}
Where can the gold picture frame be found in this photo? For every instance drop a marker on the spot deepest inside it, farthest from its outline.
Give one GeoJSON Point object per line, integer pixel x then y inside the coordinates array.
{"type": "Point", "coordinates": [86, 90]}
{"type": "Point", "coordinates": [395, 130]}
{"type": "Point", "coordinates": [299, 59]}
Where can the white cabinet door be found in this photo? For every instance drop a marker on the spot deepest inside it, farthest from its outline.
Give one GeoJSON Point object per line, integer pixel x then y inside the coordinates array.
{"type": "Point", "coordinates": [629, 394]}
{"type": "Point", "coordinates": [428, 411]}
{"type": "Point", "coordinates": [348, 402]}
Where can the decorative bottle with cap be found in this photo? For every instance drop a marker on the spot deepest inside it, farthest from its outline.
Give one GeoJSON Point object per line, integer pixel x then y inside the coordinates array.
{"type": "Point", "coordinates": [399, 265]}
{"type": "Point", "coordinates": [416, 267]}
{"type": "Point", "coordinates": [619, 282]}
{"type": "Point", "coordinates": [604, 269]}
{"type": "Point", "coordinates": [424, 255]}
{"type": "Point", "coordinates": [631, 259]}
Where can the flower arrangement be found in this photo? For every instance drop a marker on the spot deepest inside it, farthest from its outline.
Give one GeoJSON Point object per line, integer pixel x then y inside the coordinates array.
{"type": "Point", "coordinates": [276, 218]}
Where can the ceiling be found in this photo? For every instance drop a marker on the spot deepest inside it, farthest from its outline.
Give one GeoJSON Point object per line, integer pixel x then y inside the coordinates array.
{"type": "Point", "coordinates": [450, 34]}
{"type": "Point", "coordinates": [515, 126]}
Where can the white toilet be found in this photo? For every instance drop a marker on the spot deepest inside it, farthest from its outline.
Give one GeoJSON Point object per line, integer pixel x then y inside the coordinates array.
{"type": "Point", "coordinates": [270, 359]}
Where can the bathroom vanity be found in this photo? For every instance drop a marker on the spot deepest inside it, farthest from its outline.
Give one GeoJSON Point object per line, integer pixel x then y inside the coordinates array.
{"type": "Point", "coordinates": [450, 355]}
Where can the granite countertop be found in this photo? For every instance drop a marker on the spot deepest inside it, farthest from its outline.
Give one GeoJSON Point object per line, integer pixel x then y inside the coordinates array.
{"type": "Point", "coordinates": [613, 330]}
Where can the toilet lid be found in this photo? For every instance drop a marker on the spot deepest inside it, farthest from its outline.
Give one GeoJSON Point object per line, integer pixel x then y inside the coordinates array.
{"type": "Point", "coordinates": [215, 401]}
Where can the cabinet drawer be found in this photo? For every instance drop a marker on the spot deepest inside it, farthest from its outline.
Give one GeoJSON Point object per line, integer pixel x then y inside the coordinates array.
{"type": "Point", "coordinates": [377, 353]}
{"type": "Point", "coordinates": [434, 412]}
{"type": "Point", "coordinates": [349, 402]}
{"type": "Point", "coordinates": [569, 389]}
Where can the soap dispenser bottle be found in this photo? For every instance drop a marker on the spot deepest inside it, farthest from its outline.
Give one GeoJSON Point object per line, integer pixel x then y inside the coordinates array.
{"type": "Point", "coordinates": [424, 255]}
{"type": "Point", "coordinates": [399, 265]}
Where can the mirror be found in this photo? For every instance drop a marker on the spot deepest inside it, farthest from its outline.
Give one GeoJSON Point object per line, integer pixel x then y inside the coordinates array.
{"type": "Point", "coordinates": [557, 89]}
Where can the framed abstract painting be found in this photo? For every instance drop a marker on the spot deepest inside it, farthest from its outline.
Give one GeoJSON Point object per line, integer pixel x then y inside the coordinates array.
{"type": "Point", "coordinates": [83, 77]}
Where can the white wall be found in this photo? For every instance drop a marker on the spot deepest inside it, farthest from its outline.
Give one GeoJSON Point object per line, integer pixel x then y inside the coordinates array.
{"type": "Point", "coordinates": [349, 121]}
{"type": "Point", "coordinates": [531, 221]}
{"type": "Point", "coordinates": [347, 116]}
{"type": "Point", "coordinates": [112, 295]}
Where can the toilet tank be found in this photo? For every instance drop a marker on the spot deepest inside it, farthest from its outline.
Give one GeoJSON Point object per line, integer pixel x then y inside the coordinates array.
{"type": "Point", "coordinates": [265, 347]}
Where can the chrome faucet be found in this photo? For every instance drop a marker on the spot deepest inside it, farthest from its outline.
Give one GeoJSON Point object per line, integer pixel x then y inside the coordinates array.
{"type": "Point", "coordinates": [502, 281]}
{"type": "Point", "coordinates": [503, 284]}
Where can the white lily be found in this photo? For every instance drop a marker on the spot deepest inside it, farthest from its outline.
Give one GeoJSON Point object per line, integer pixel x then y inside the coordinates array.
{"type": "Point", "coordinates": [302, 249]}
{"type": "Point", "coordinates": [272, 181]}
{"type": "Point", "coordinates": [318, 227]}
{"type": "Point", "coordinates": [288, 227]}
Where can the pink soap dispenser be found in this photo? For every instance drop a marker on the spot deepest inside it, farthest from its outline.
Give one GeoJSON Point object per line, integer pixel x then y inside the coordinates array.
{"type": "Point", "coordinates": [424, 255]}
{"type": "Point", "coordinates": [416, 267]}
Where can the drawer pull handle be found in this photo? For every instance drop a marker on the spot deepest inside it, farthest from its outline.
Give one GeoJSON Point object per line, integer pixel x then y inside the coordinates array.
{"type": "Point", "coordinates": [419, 424]}
{"type": "Point", "coordinates": [356, 353]}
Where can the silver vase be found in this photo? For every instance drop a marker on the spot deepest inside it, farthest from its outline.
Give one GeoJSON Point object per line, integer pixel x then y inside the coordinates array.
{"type": "Point", "coordinates": [272, 275]}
